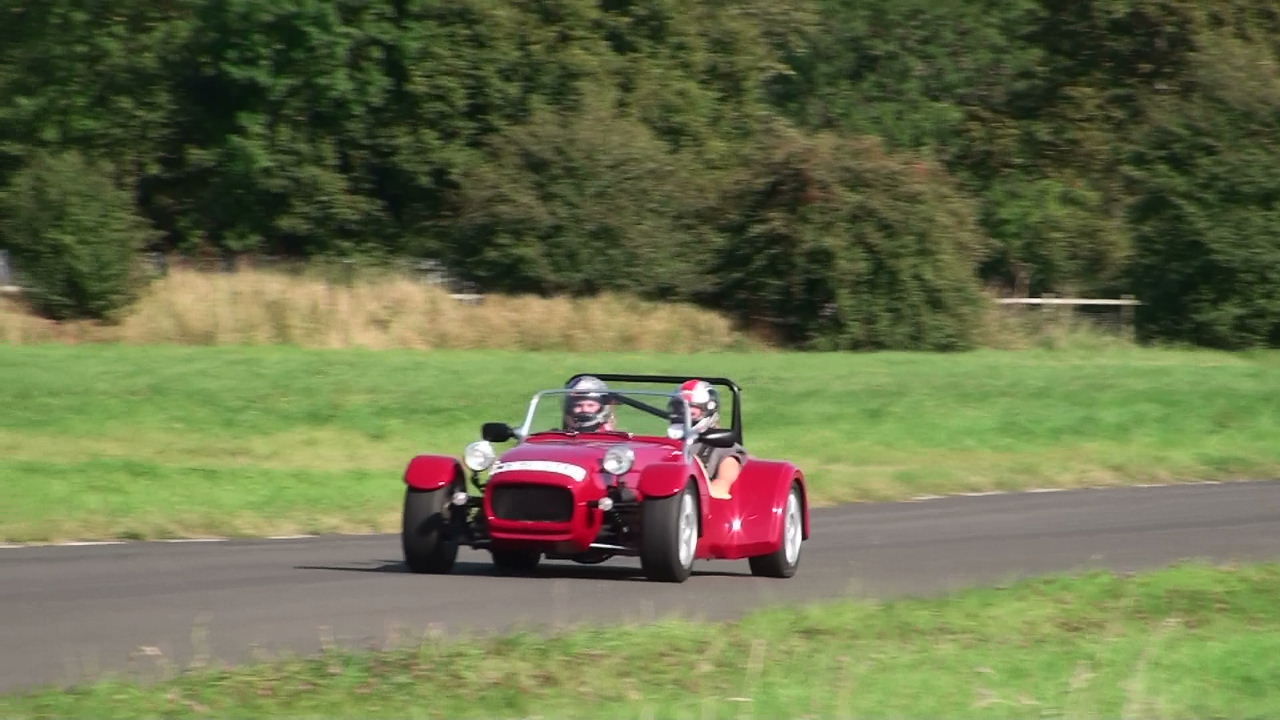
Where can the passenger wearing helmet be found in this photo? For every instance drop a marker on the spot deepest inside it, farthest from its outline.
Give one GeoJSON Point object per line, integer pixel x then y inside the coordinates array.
{"type": "Point", "coordinates": [586, 406]}
{"type": "Point", "coordinates": [721, 465]}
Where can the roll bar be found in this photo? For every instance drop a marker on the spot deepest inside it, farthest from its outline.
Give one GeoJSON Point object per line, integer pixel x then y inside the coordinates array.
{"type": "Point", "coordinates": [676, 380]}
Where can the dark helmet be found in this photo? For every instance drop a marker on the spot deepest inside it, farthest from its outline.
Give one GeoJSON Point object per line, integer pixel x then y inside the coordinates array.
{"type": "Point", "coordinates": [587, 387]}
{"type": "Point", "coordinates": [698, 394]}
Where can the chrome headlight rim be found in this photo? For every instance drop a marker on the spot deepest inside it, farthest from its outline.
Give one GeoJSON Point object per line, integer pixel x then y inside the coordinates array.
{"type": "Point", "coordinates": [618, 460]}
{"type": "Point", "coordinates": [479, 456]}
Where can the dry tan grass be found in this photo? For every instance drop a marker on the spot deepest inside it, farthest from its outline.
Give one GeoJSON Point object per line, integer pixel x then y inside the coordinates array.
{"type": "Point", "coordinates": [259, 307]}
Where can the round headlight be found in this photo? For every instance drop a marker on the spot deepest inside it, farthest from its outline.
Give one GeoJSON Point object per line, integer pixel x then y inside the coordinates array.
{"type": "Point", "coordinates": [618, 460]}
{"type": "Point", "coordinates": [479, 455]}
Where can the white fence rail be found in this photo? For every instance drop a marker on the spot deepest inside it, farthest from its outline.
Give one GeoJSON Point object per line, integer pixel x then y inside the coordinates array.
{"type": "Point", "coordinates": [1125, 301]}
{"type": "Point", "coordinates": [1115, 314]}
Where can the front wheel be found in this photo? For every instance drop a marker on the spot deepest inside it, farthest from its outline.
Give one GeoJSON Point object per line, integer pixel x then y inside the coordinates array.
{"type": "Point", "coordinates": [424, 537]}
{"type": "Point", "coordinates": [783, 562]}
{"type": "Point", "coordinates": [669, 536]}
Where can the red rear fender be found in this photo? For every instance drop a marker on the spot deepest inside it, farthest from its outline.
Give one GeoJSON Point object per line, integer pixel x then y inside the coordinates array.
{"type": "Point", "coordinates": [432, 472]}
{"type": "Point", "coordinates": [751, 522]}
{"type": "Point", "coordinates": [663, 479]}
{"type": "Point", "coordinates": [770, 481]}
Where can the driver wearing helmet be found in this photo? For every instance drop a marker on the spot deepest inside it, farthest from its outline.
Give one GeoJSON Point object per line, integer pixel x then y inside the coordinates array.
{"type": "Point", "coordinates": [721, 465]}
{"type": "Point", "coordinates": [586, 406]}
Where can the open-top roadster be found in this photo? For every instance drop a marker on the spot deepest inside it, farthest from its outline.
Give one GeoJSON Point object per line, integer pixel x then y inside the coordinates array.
{"type": "Point", "coordinates": [587, 496]}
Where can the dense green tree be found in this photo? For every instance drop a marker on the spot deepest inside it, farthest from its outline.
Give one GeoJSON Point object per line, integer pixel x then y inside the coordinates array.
{"type": "Point", "coordinates": [1103, 146]}
{"type": "Point", "coordinates": [1207, 210]}
{"type": "Point", "coordinates": [838, 243]}
{"type": "Point", "coordinates": [1055, 235]}
{"type": "Point", "coordinates": [89, 75]}
{"type": "Point", "coordinates": [73, 235]}
{"type": "Point", "coordinates": [581, 203]}
{"type": "Point", "coordinates": [973, 85]}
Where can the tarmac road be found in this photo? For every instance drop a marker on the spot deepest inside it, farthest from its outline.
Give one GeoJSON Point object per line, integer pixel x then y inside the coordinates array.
{"type": "Point", "coordinates": [68, 614]}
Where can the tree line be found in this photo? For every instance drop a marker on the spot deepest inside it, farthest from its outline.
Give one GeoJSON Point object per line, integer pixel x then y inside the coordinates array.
{"type": "Point", "coordinates": [845, 173]}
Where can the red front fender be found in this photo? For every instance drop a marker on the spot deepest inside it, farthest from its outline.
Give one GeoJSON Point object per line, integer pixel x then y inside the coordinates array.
{"type": "Point", "coordinates": [663, 479]}
{"type": "Point", "coordinates": [432, 472]}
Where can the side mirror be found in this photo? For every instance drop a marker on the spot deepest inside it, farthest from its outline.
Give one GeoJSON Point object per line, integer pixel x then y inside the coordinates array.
{"type": "Point", "coordinates": [496, 432]}
{"type": "Point", "coordinates": [719, 437]}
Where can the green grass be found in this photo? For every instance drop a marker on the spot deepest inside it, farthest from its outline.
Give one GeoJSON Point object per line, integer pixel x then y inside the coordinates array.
{"type": "Point", "coordinates": [1187, 642]}
{"type": "Point", "coordinates": [116, 441]}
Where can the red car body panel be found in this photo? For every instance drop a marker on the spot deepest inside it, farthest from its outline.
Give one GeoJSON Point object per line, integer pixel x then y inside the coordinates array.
{"type": "Point", "coordinates": [432, 472]}
{"type": "Point", "coordinates": [537, 462]}
{"type": "Point", "coordinates": [750, 522]}
{"type": "Point", "coordinates": [588, 449]}
{"type": "Point", "coordinates": [664, 479]}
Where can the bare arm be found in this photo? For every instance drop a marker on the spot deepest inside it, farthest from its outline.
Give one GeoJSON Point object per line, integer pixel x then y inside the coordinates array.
{"type": "Point", "coordinates": [730, 468]}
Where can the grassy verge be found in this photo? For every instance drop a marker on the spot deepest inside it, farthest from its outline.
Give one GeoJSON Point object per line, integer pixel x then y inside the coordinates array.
{"type": "Point", "coordinates": [119, 441]}
{"type": "Point", "coordinates": [1191, 641]}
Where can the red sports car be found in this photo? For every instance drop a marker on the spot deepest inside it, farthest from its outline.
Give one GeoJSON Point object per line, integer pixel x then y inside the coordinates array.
{"type": "Point", "coordinates": [635, 488]}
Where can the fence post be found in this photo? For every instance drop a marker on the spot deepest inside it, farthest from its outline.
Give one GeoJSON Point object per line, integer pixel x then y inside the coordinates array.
{"type": "Point", "coordinates": [1057, 313]}
{"type": "Point", "coordinates": [1126, 317]}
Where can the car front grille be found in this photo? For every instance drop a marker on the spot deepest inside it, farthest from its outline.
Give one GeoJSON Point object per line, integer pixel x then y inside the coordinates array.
{"type": "Point", "coordinates": [541, 503]}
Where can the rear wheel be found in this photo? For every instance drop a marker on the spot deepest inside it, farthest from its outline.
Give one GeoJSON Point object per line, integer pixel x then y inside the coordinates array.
{"type": "Point", "coordinates": [784, 562]}
{"type": "Point", "coordinates": [424, 536]}
{"type": "Point", "coordinates": [669, 536]}
{"type": "Point", "coordinates": [516, 561]}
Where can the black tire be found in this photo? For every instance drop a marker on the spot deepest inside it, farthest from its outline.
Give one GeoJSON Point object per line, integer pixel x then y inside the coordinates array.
{"type": "Point", "coordinates": [784, 562]}
{"type": "Point", "coordinates": [424, 537]}
{"type": "Point", "coordinates": [669, 526]}
{"type": "Point", "coordinates": [516, 561]}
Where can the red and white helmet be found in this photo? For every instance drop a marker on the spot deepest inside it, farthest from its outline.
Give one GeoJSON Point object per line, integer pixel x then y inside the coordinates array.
{"type": "Point", "coordinates": [704, 404]}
